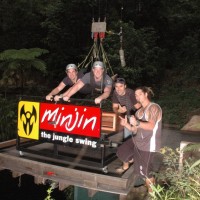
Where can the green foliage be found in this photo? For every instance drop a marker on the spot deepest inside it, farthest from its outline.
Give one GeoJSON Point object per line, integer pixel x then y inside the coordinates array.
{"type": "Point", "coordinates": [20, 23]}
{"type": "Point", "coordinates": [68, 31]}
{"type": "Point", "coordinates": [16, 63]}
{"type": "Point", "coordinates": [22, 54]}
{"type": "Point", "coordinates": [69, 193]}
{"type": "Point", "coordinates": [8, 119]}
{"type": "Point", "coordinates": [53, 185]}
{"type": "Point", "coordinates": [142, 55]}
{"type": "Point", "coordinates": [178, 99]}
{"type": "Point", "coordinates": [177, 181]}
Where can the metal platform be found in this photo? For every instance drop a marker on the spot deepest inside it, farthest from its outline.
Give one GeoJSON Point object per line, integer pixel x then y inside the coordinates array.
{"type": "Point", "coordinates": [76, 134]}
{"type": "Point", "coordinates": [74, 155]}
{"type": "Point", "coordinates": [61, 171]}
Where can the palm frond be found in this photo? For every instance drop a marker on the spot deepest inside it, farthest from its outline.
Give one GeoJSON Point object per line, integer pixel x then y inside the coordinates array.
{"type": "Point", "coordinates": [192, 147]}
{"type": "Point", "coordinates": [22, 54]}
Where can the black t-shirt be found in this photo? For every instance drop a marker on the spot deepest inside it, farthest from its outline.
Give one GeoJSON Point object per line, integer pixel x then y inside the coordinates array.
{"type": "Point", "coordinates": [68, 83]}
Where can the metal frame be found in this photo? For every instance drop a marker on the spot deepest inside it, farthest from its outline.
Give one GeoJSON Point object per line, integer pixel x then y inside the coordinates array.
{"type": "Point", "coordinates": [69, 157]}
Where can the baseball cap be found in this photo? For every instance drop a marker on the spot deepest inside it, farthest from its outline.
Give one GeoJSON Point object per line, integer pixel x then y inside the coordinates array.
{"type": "Point", "coordinates": [98, 64]}
{"type": "Point", "coordinates": [120, 80]}
{"type": "Point", "coordinates": [71, 66]}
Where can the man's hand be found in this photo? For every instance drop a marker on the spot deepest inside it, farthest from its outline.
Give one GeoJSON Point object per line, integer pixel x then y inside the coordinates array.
{"type": "Point", "coordinates": [123, 121]}
{"type": "Point", "coordinates": [122, 109]}
{"type": "Point", "coordinates": [98, 100]}
{"type": "Point", "coordinates": [133, 120]}
{"type": "Point", "coordinates": [65, 98]}
{"type": "Point", "coordinates": [49, 97]}
{"type": "Point", "coordinates": [57, 98]}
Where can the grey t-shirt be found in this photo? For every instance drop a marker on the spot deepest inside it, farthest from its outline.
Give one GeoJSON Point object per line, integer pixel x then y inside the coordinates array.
{"type": "Point", "coordinates": [128, 100]}
{"type": "Point", "coordinates": [96, 86]}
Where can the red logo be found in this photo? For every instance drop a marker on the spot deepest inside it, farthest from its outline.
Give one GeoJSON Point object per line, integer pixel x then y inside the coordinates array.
{"type": "Point", "coordinates": [71, 119]}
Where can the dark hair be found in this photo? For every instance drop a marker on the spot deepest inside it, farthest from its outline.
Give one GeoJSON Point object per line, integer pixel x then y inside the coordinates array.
{"type": "Point", "coordinates": [147, 90]}
{"type": "Point", "coordinates": [120, 80]}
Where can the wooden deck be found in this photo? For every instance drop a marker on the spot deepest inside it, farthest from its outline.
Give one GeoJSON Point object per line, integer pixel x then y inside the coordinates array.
{"type": "Point", "coordinates": [44, 168]}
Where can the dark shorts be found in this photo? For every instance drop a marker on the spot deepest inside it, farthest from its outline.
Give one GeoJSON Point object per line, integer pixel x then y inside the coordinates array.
{"type": "Point", "coordinates": [144, 162]}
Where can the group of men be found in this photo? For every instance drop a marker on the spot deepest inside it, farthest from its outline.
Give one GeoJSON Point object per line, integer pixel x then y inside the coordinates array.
{"type": "Point", "coordinates": [94, 82]}
{"type": "Point", "coordinates": [141, 118]}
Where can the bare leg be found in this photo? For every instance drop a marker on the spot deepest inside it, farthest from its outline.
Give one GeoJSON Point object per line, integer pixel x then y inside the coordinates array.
{"type": "Point", "coordinates": [123, 168]}
{"type": "Point", "coordinates": [125, 165]}
{"type": "Point", "coordinates": [149, 182]}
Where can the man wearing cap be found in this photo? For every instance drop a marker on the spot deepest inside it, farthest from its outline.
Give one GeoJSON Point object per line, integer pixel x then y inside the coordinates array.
{"type": "Point", "coordinates": [124, 101]}
{"type": "Point", "coordinates": [96, 81]}
{"type": "Point", "coordinates": [72, 77]}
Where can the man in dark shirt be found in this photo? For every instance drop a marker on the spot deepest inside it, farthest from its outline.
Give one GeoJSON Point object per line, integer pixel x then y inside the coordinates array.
{"type": "Point", "coordinates": [124, 101]}
{"type": "Point", "coordinates": [72, 77]}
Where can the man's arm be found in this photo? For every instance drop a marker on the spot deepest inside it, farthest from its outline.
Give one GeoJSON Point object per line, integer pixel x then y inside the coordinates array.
{"type": "Point", "coordinates": [75, 88]}
{"type": "Point", "coordinates": [55, 91]}
{"type": "Point", "coordinates": [135, 124]}
{"type": "Point", "coordinates": [115, 107]}
{"type": "Point", "coordinates": [154, 114]}
{"type": "Point", "coordinates": [124, 122]}
{"type": "Point", "coordinates": [141, 124]}
{"type": "Point", "coordinates": [105, 95]}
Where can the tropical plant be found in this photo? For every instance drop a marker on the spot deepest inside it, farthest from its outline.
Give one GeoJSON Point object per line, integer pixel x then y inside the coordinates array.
{"type": "Point", "coordinates": [16, 63]}
{"type": "Point", "coordinates": [178, 180]}
{"type": "Point", "coordinates": [69, 191]}
{"type": "Point", "coordinates": [142, 54]}
{"type": "Point", "coordinates": [8, 119]}
{"type": "Point", "coordinates": [51, 188]}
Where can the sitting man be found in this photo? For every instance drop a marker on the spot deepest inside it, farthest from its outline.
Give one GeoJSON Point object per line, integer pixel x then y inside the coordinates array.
{"type": "Point", "coordinates": [124, 102]}
{"type": "Point", "coordinates": [72, 77]}
{"type": "Point", "coordinates": [96, 81]}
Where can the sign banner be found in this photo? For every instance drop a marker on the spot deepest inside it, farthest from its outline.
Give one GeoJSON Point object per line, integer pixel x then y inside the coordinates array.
{"type": "Point", "coordinates": [35, 118]}
{"type": "Point", "coordinates": [71, 119]}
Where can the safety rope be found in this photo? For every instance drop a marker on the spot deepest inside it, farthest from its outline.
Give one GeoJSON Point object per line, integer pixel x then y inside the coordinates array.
{"type": "Point", "coordinates": [85, 60]}
{"type": "Point", "coordinates": [105, 59]}
{"type": "Point", "coordinates": [97, 51]}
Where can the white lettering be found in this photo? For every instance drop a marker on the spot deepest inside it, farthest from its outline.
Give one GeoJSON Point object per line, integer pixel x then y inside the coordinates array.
{"type": "Point", "coordinates": [71, 120]}
{"type": "Point", "coordinates": [85, 141]}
